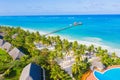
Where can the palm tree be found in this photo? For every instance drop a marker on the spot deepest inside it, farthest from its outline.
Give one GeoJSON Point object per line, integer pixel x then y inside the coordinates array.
{"type": "Point", "coordinates": [82, 49]}
{"type": "Point", "coordinates": [78, 56]}
{"type": "Point", "coordinates": [51, 58]}
{"type": "Point", "coordinates": [74, 46]}
{"type": "Point", "coordinates": [66, 46]}
{"type": "Point", "coordinates": [55, 73]}
{"type": "Point", "coordinates": [58, 74]}
{"type": "Point", "coordinates": [79, 68]}
{"type": "Point", "coordinates": [113, 55]}
{"type": "Point", "coordinates": [91, 48]}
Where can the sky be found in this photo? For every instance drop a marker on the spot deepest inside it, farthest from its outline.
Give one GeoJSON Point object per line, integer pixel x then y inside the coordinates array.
{"type": "Point", "coordinates": [59, 7]}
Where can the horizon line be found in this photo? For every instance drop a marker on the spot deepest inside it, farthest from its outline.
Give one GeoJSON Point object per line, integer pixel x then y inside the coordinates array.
{"type": "Point", "coordinates": [57, 14]}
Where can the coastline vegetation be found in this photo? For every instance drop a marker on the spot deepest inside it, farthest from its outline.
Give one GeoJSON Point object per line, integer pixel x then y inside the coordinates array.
{"type": "Point", "coordinates": [5, 61]}
{"type": "Point", "coordinates": [46, 58]}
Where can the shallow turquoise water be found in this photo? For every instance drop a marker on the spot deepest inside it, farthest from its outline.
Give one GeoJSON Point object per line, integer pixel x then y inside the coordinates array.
{"type": "Point", "coordinates": [112, 74]}
{"type": "Point", "coordinates": [102, 29]}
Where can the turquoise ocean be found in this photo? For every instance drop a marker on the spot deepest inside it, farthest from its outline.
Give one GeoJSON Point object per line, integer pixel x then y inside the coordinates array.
{"type": "Point", "coordinates": [100, 29]}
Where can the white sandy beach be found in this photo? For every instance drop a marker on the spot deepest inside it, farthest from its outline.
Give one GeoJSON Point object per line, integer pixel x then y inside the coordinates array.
{"type": "Point", "coordinates": [110, 49]}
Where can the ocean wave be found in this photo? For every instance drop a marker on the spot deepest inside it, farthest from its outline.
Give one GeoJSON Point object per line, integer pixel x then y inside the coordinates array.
{"type": "Point", "coordinates": [98, 44]}
{"type": "Point", "coordinates": [93, 39]}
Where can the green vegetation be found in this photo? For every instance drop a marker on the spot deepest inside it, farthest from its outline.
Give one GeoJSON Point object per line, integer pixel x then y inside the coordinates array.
{"type": "Point", "coordinates": [5, 61]}
{"type": "Point", "coordinates": [108, 60]}
{"type": "Point", "coordinates": [46, 58]}
{"type": "Point", "coordinates": [8, 68]}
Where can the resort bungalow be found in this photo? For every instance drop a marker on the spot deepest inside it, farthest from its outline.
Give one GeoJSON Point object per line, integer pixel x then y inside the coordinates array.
{"type": "Point", "coordinates": [16, 54]}
{"type": "Point", "coordinates": [32, 72]}
{"type": "Point", "coordinates": [96, 63]}
{"type": "Point", "coordinates": [51, 48]}
{"type": "Point", "coordinates": [6, 46]}
{"type": "Point", "coordinates": [14, 36]}
{"type": "Point", "coordinates": [1, 35]}
{"type": "Point", "coordinates": [1, 42]}
{"type": "Point", "coordinates": [41, 46]}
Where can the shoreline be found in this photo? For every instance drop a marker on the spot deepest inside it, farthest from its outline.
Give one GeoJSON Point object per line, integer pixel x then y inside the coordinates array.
{"type": "Point", "coordinates": [110, 49]}
{"type": "Point", "coordinates": [87, 43]}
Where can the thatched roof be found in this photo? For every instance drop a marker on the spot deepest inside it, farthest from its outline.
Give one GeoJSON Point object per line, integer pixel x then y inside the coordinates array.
{"type": "Point", "coordinates": [16, 54]}
{"type": "Point", "coordinates": [1, 37]}
{"type": "Point", "coordinates": [97, 63]}
{"type": "Point", "coordinates": [1, 42]}
{"type": "Point", "coordinates": [1, 34]}
{"type": "Point", "coordinates": [14, 36]}
{"type": "Point", "coordinates": [32, 72]}
{"type": "Point", "coordinates": [42, 46]}
{"type": "Point", "coordinates": [6, 46]}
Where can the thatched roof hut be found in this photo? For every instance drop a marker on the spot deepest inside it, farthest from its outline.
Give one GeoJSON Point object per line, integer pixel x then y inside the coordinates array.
{"type": "Point", "coordinates": [6, 46]}
{"type": "Point", "coordinates": [32, 72]}
{"type": "Point", "coordinates": [14, 36]}
{"type": "Point", "coordinates": [16, 54]}
{"type": "Point", "coordinates": [1, 35]}
{"type": "Point", "coordinates": [1, 42]}
{"type": "Point", "coordinates": [96, 63]}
